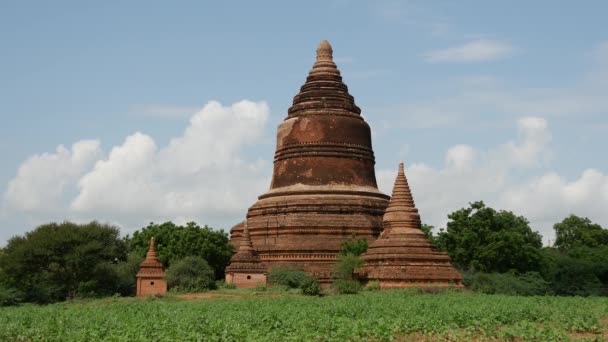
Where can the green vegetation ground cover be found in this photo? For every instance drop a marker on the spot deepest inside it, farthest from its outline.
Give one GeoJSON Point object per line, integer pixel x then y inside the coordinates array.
{"type": "Point", "coordinates": [381, 315]}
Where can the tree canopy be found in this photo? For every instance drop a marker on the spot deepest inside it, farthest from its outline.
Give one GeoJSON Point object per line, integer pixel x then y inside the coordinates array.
{"type": "Point", "coordinates": [175, 242]}
{"type": "Point", "coordinates": [479, 238]}
{"type": "Point", "coordinates": [576, 231]}
{"type": "Point", "coordinates": [60, 260]}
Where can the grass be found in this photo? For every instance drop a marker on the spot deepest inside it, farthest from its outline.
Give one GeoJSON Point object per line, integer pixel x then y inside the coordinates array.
{"type": "Point", "coordinates": [376, 316]}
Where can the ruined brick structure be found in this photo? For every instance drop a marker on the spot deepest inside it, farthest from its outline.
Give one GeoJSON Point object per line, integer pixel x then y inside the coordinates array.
{"type": "Point", "coordinates": [403, 256]}
{"type": "Point", "coordinates": [151, 277]}
{"type": "Point", "coordinates": [246, 270]}
{"type": "Point", "coordinates": [323, 187]}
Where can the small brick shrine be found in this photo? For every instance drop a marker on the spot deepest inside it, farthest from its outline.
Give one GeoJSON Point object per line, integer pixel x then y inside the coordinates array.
{"type": "Point", "coordinates": [151, 277]}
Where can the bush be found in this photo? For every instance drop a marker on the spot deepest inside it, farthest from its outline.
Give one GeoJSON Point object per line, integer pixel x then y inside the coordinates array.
{"type": "Point", "coordinates": [527, 284]}
{"type": "Point", "coordinates": [311, 287]}
{"type": "Point", "coordinates": [291, 277]}
{"type": "Point", "coordinates": [354, 246]}
{"type": "Point", "coordinates": [230, 286]}
{"type": "Point", "coordinates": [346, 265]}
{"type": "Point", "coordinates": [577, 273]}
{"type": "Point", "coordinates": [9, 296]}
{"type": "Point", "coordinates": [191, 274]}
{"type": "Point", "coordinates": [344, 286]}
{"type": "Point", "coordinates": [260, 288]}
{"type": "Point", "coordinates": [373, 285]}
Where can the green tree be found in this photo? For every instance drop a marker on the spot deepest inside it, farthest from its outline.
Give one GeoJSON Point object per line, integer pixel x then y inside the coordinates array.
{"type": "Point", "coordinates": [427, 229]}
{"type": "Point", "coordinates": [346, 265]}
{"type": "Point", "coordinates": [175, 242]}
{"type": "Point", "coordinates": [59, 261]}
{"type": "Point", "coordinates": [190, 274]}
{"type": "Point", "coordinates": [354, 246]}
{"type": "Point", "coordinates": [479, 238]}
{"type": "Point", "coordinates": [569, 276]}
{"type": "Point", "coordinates": [575, 231]}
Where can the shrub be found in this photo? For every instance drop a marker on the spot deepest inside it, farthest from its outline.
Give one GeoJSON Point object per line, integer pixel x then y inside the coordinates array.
{"type": "Point", "coordinates": [346, 266]}
{"type": "Point", "coordinates": [260, 288]}
{"type": "Point", "coordinates": [9, 296]}
{"type": "Point", "coordinates": [373, 285]}
{"type": "Point", "coordinates": [527, 284]}
{"type": "Point", "coordinates": [230, 286]}
{"type": "Point", "coordinates": [354, 246]}
{"type": "Point", "coordinates": [292, 277]}
{"type": "Point", "coordinates": [190, 274]}
{"type": "Point", "coordinates": [311, 287]}
{"type": "Point", "coordinates": [344, 286]}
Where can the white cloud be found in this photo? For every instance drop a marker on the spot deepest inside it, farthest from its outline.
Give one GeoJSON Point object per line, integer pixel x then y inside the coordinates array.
{"type": "Point", "coordinates": [199, 174]}
{"type": "Point", "coordinates": [534, 140]}
{"type": "Point", "coordinates": [202, 175]}
{"type": "Point", "coordinates": [469, 175]}
{"type": "Point", "coordinates": [43, 179]}
{"type": "Point", "coordinates": [474, 51]}
{"type": "Point", "coordinates": [460, 156]}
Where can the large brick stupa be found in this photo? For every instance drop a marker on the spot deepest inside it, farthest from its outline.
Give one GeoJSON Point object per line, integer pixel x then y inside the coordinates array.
{"type": "Point", "coordinates": [403, 256]}
{"type": "Point", "coordinates": [323, 187]}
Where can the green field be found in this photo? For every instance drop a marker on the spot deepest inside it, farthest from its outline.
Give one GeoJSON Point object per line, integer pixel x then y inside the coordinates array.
{"type": "Point", "coordinates": [369, 316]}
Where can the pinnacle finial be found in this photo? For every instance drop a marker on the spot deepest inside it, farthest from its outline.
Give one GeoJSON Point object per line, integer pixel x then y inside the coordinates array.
{"type": "Point", "coordinates": [324, 51]}
{"type": "Point", "coordinates": [151, 250]}
{"type": "Point", "coordinates": [401, 171]}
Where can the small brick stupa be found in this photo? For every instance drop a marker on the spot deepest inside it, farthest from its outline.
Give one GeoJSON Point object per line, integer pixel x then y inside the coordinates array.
{"type": "Point", "coordinates": [323, 187]}
{"type": "Point", "coordinates": [246, 270]}
{"type": "Point", "coordinates": [403, 256]}
{"type": "Point", "coordinates": [151, 277]}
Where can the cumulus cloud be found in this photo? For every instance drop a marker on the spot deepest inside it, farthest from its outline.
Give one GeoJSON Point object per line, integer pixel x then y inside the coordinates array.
{"type": "Point", "coordinates": [201, 175]}
{"type": "Point", "coordinates": [470, 175]}
{"type": "Point", "coordinates": [473, 51]}
{"type": "Point", "coordinates": [43, 179]}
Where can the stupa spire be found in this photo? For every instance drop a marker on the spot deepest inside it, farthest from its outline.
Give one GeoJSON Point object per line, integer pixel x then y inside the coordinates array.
{"type": "Point", "coordinates": [246, 245]}
{"type": "Point", "coordinates": [324, 92]}
{"type": "Point", "coordinates": [246, 259]}
{"type": "Point", "coordinates": [152, 250]}
{"type": "Point", "coordinates": [325, 52]}
{"type": "Point", "coordinates": [401, 212]}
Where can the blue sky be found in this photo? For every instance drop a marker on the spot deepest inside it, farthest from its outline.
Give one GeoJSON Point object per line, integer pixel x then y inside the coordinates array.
{"type": "Point", "coordinates": [501, 102]}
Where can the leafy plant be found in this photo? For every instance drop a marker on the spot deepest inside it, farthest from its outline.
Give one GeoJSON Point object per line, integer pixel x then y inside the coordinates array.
{"type": "Point", "coordinates": [311, 287]}
{"type": "Point", "coordinates": [345, 286]}
{"type": "Point", "coordinates": [174, 242]}
{"type": "Point", "coordinates": [291, 277]}
{"type": "Point", "coordinates": [190, 274]}
{"type": "Point", "coordinates": [373, 285]}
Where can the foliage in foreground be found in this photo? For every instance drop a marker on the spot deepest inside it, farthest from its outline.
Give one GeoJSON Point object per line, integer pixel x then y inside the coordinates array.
{"type": "Point", "coordinates": [377, 316]}
{"type": "Point", "coordinates": [311, 287]}
{"type": "Point", "coordinates": [346, 286]}
{"type": "Point", "coordinates": [190, 274]}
